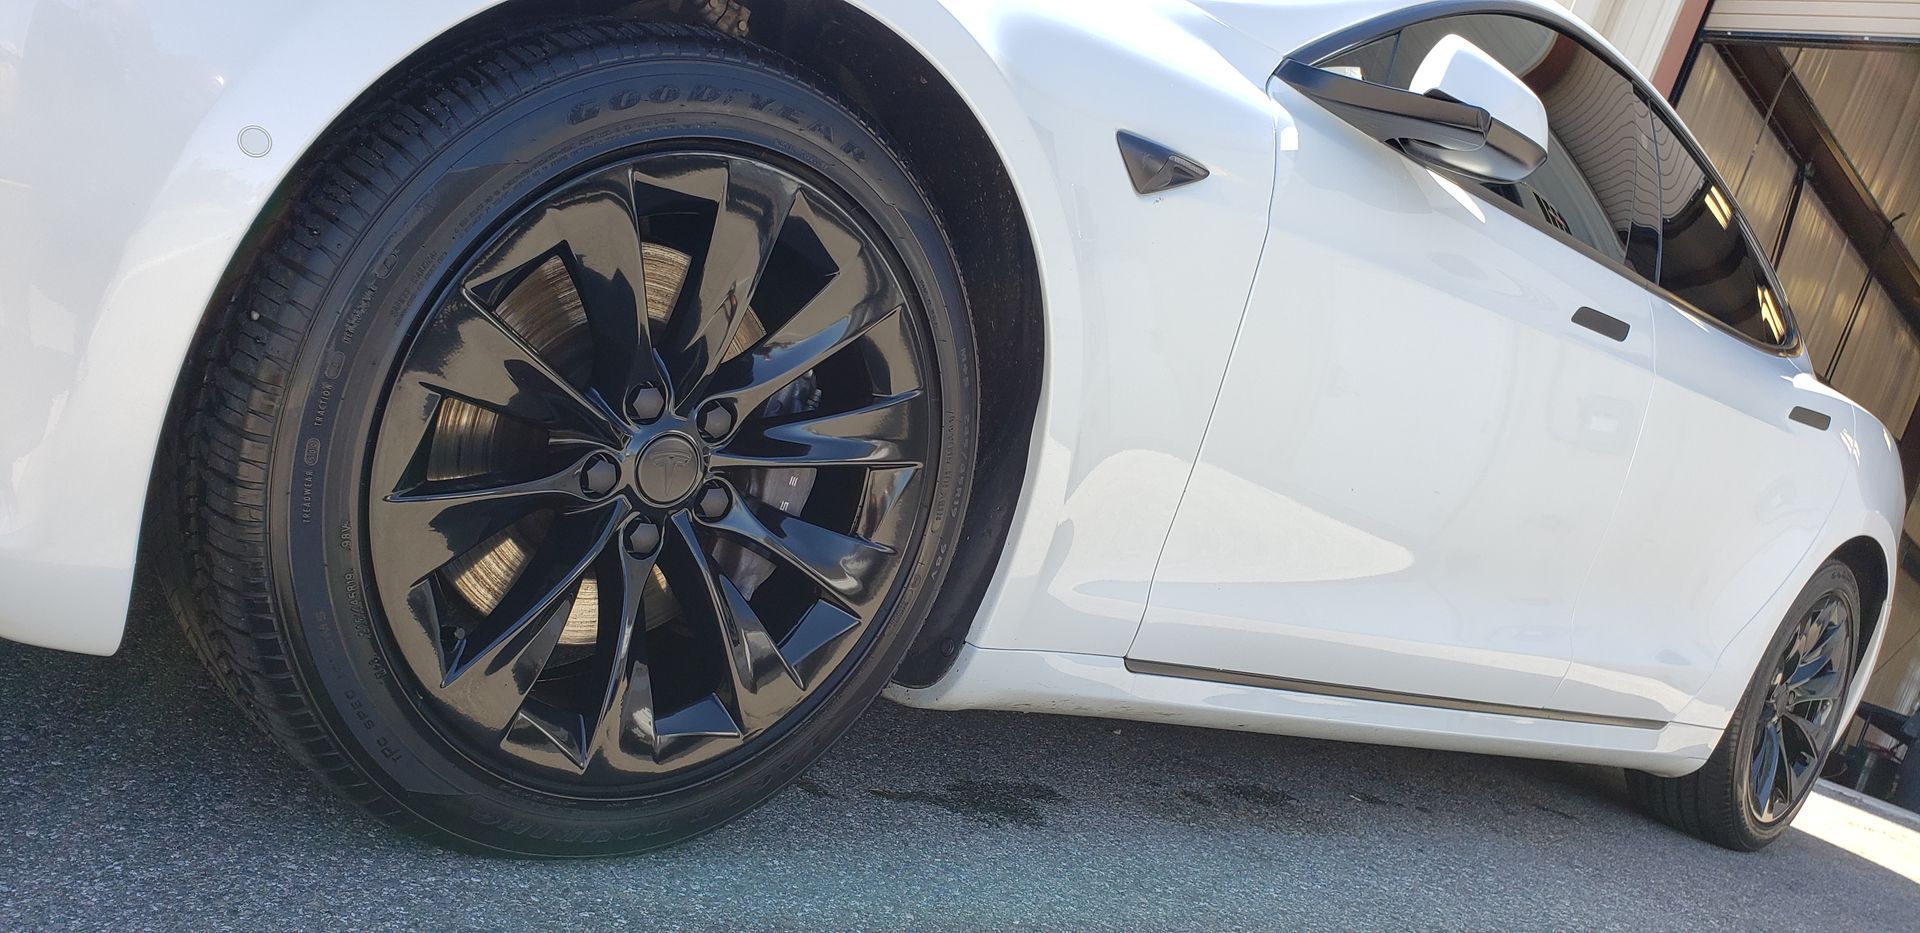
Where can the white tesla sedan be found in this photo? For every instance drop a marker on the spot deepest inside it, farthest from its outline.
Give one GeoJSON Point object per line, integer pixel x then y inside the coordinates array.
{"type": "Point", "coordinates": [563, 419]}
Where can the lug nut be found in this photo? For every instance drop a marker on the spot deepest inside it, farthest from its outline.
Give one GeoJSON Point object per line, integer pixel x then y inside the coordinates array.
{"type": "Point", "coordinates": [714, 502]}
{"type": "Point", "coordinates": [647, 403]}
{"type": "Point", "coordinates": [643, 537]}
{"type": "Point", "coordinates": [716, 420]}
{"type": "Point", "coordinates": [599, 475]}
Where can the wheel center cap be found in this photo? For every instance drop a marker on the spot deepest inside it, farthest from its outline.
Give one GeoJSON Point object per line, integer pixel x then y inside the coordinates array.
{"type": "Point", "coordinates": [669, 469]}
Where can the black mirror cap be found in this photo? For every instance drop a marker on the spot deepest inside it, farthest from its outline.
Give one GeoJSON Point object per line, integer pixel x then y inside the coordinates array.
{"type": "Point", "coordinates": [1506, 156]}
{"type": "Point", "coordinates": [1429, 128]}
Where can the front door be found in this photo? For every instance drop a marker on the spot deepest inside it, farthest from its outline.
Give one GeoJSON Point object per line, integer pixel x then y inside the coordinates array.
{"type": "Point", "coordinates": [1433, 404]}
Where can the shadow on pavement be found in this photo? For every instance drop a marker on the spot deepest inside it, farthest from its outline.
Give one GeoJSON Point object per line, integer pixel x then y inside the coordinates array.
{"type": "Point", "coordinates": [134, 795]}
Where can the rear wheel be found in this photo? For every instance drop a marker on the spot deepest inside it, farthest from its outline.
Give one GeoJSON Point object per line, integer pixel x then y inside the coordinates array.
{"type": "Point", "coordinates": [1771, 753]}
{"type": "Point", "coordinates": [581, 457]}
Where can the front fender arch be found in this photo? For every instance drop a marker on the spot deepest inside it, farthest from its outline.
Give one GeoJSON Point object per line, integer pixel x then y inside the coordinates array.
{"type": "Point", "coordinates": [157, 225]}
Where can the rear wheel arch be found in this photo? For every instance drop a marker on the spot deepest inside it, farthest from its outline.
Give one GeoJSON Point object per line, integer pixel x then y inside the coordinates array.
{"type": "Point", "coordinates": [964, 176]}
{"type": "Point", "coordinates": [1868, 561]}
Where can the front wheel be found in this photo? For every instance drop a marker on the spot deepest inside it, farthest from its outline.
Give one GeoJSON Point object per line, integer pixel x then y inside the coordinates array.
{"type": "Point", "coordinates": [1770, 756]}
{"type": "Point", "coordinates": [584, 450]}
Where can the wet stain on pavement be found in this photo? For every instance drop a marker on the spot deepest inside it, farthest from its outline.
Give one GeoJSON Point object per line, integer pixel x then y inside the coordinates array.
{"type": "Point", "coordinates": [1259, 794]}
{"type": "Point", "coordinates": [987, 801]}
{"type": "Point", "coordinates": [814, 788]}
{"type": "Point", "coordinates": [1559, 813]}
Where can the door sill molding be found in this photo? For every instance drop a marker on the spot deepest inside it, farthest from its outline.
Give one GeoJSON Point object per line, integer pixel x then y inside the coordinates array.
{"type": "Point", "coordinates": [1187, 672]}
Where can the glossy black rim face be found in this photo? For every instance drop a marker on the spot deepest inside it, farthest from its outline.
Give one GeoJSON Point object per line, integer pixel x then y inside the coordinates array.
{"type": "Point", "coordinates": [650, 472]}
{"type": "Point", "coordinates": [1801, 712]}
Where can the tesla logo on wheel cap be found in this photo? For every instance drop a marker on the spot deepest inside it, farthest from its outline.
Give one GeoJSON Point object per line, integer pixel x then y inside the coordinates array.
{"type": "Point", "coordinates": [669, 469]}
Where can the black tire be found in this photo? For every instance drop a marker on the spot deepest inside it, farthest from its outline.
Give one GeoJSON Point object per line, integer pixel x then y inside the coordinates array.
{"type": "Point", "coordinates": [269, 493]}
{"type": "Point", "coordinates": [1719, 802]}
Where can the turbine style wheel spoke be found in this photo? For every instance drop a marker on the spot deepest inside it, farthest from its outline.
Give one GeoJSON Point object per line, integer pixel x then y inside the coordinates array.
{"type": "Point", "coordinates": [1816, 658]}
{"type": "Point", "coordinates": [622, 524]}
{"type": "Point", "coordinates": [435, 522]}
{"type": "Point", "coordinates": [489, 670]}
{"type": "Point", "coordinates": [1822, 687]}
{"type": "Point", "coordinates": [860, 296]}
{"type": "Point", "coordinates": [761, 686]}
{"type": "Point", "coordinates": [468, 353]}
{"type": "Point", "coordinates": [593, 227]}
{"type": "Point", "coordinates": [887, 433]}
{"type": "Point", "coordinates": [1801, 733]}
{"type": "Point", "coordinates": [1767, 759]}
{"type": "Point", "coordinates": [841, 565]}
{"type": "Point", "coordinates": [752, 202]}
{"type": "Point", "coordinates": [620, 734]}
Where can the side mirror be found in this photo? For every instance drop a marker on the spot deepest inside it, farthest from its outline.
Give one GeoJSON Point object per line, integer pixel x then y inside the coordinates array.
{"type": "Point", "coordinates": [1464, 111]}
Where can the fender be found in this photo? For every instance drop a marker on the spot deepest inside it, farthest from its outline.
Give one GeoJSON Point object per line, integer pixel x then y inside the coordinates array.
{"type": "Point", "coordinates": [127, 193]}
{"type": "Point", "coordinates": [1872, 504]}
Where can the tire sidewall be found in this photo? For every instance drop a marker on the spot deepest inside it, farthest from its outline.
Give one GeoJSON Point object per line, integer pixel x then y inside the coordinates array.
{"type": "Point", "coordinates": [371, 307]}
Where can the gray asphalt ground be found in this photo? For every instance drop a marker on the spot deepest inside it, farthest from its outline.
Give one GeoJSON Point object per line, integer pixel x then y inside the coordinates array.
{"type": "Point", "coordinates": [134, 798]}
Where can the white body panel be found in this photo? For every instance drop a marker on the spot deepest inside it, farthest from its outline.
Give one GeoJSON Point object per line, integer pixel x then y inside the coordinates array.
{"type": "Point", "coordinates": [1416, 453]}
{"type": "Point", "coordinates": [124, 194]}
{"type": "Point", "coordinates": [1727, 499]}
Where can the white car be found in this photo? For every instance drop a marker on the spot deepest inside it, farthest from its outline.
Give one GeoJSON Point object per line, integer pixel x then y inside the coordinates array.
{"type": "Point", "coordinates": [564, 419]}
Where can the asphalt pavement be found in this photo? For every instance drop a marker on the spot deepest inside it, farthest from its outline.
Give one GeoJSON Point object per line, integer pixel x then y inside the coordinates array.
{"type": "Point", "coordinates": [133, 797]}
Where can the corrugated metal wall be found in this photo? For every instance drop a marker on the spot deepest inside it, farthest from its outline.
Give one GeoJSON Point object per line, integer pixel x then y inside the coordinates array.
{"type": "Point", "coordinates": [1822, 275]}
{"type": "Point", "coordinates": [1880, 365]}
{"type": "Point", "coordinates": [1640, 29]}
{"type": "Point", "coordinates": [1871, 99]}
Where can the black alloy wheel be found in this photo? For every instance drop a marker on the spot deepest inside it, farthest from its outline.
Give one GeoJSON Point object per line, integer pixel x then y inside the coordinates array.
{"type": "Point", "coordinates": [585, 444]}
{"type": "Point", "coordinates": [647, 474]}
{"type": "Point", "coordinates": [1799, 717]}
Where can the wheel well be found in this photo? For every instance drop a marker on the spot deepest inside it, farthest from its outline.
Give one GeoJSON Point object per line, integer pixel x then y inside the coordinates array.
{"type": "Point", "coordinates": [1868, 561]}
{"type": "Point", "coordinates": [879, 73]}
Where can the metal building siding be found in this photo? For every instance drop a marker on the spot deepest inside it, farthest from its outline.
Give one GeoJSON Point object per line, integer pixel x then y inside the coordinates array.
{"type": "Point", "coordinates": [1822, 275]}
{"type": "Point", "coordinates": [1880, 367]}
{"type": "Point", "coordinates": [1871, 99]}
{"type": "Point", "coordinates": [1896, 19]}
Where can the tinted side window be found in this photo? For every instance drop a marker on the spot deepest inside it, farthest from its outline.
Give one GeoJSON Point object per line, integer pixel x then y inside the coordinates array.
{"type": "Point", "coordinates": [1597, 183]}
{"type": "Point", "coordinates": [1706, 258]}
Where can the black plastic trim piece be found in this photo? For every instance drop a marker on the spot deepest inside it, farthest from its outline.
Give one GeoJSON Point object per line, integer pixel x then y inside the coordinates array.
{"type": "Point", "coordinates": [1602, 323]}
{"type": "Point", "coordinates": [1153, 167]}
{"type": "Point", "coordinates": [1810, 418]}
{"type": "Point", "coordinates": [1215, 675]}
{"type": "Point", "coordinates": [1855, 41]}
{"type": "Point", "coordinates": [1390, 114]}
{"type": "Point", "coordinates": [1432, 128]}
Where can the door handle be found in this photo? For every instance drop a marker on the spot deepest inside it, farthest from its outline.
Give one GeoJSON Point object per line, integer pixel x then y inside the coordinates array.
{"type": "Point", "coordinates": [1606, 325]}
{"type": "Point", "coordinates": [1810, 418]}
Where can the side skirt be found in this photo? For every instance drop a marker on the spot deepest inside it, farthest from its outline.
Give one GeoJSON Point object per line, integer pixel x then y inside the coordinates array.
{"type": "Point", "coordinates": [1096, 685]}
